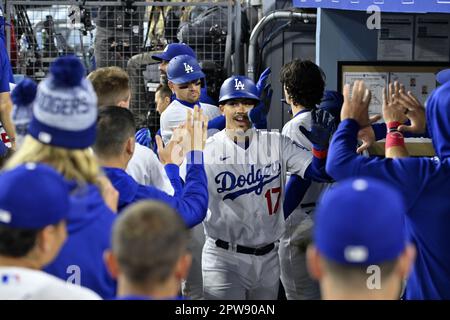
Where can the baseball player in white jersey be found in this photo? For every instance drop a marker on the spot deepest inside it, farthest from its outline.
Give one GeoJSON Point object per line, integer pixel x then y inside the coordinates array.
{"type": "Point", "coordinates": [303, 86]}
{"type": "Point", "coordinates": [146, 169]}
{"type": "Point", "coordinates": [246, 171]}
{"type": "Point", "coordinates": [185, 80]}
{"type": "Point", "coordinates": [112, 86]}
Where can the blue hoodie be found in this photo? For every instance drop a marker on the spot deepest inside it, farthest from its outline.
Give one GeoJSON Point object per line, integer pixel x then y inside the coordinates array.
{"type": "Point", "coordinates": [425, 184]}
{"type": "Point", "coordinates": [191, 202]}
{"type": "Point", "coordinates": [89, 227]}
{"type": "Point", "coordinates": [6, 75]}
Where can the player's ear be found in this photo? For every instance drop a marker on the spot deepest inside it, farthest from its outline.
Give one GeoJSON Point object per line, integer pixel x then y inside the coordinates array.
{"type": "Point", "coordinates": [171, 86]}
{"type": "Point", "coordinates": [406, 261]}
{"type": "Point", "coordinates": [314, 262]}
{"type": "Point", "coordinates": [125, 103]}
{"type": "Point", "coordinates": [122, 104]}
{"type": "Point", "coordinates": [183, 266]}
{"type": "Point", "coordinates": [111, 263]}
{"type": "Point", "coordinates": [221, 107]}
{"type": "Point", "coordinates": [45, 238]}
{"type": "Point", "coordinates": [166, 101]}
{"type": "Point", "coordinates": [129, 147]}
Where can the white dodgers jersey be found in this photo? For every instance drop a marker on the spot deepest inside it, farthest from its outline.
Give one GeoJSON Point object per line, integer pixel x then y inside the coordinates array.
{"type": "Point", "coordinates": [19, 283]}
{"type": "Point", "coordinates": [175, 115]}
{"type": "Point", "coordinates": [307, 205]}
{"type": "Point", "coordinates": [246, 186]}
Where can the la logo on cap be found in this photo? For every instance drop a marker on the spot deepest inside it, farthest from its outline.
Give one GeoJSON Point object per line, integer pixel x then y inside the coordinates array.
{"type": "Point", "coordinates": [188, 68]}
{"type": "Point", "coordinates": [238, 85]}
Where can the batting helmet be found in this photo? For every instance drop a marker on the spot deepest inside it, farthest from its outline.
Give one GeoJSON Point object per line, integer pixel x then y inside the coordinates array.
{"type": "Point", "coordinates": [172, 50]}
{"type": "Point", "coordinates": [184, 68]}
{"type": "Point", "coordinates": [238, 87]}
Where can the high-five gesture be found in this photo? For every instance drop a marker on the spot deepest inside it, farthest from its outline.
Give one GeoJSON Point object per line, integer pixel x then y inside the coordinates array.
{"type": "Point", "coordinates": [191, 136]}
{"type": "Point", "coordinates": [356, 107]}
{"type": "Point", "coordinates": [393, 111]}
{"type": "Point", "coordinates": [414, 111]}
{"type": "Point", "coordinates": [196, 128]}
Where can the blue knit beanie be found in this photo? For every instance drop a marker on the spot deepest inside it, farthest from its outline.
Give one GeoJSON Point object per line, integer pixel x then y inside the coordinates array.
{"type": "Point", "coordinates": [65, 109]}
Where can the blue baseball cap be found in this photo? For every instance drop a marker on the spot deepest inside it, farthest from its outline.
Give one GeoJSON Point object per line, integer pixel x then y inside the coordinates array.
{"type": "Point", "coordinates": [443, 76]}
{"type": "Point", "coordinates": [172, 50]}
{"type": "Point", "coordinates": [33, 196]}
{"type": "Point", "coordinates": [360, 222]}
{"type": "Point", "coordinates": [183, 69]}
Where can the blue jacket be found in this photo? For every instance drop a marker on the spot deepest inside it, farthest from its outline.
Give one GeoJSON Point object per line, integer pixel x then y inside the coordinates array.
{"type": "Point", "coordinates": [425, 184]}
{"type": "Point", "coordinates": [89, 227]}
{"type": "Point", "coordinates": [191, 203]}
{"type": "Point", "coordinates": [6, 75]}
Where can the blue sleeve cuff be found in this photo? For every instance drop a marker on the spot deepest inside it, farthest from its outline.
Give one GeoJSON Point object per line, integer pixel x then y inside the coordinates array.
{"type": "Point", "coordinates": [380, 131]}
{"type": "Point", "coordinates": [172, 170]}
{"type": "Point", "coordinates": [351, 124]}
{"type": "Point", "coordinates": [194, 157]}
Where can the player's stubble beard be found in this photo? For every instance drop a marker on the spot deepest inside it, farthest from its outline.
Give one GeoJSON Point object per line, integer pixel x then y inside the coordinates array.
{"type": "Point", "coordinates": [240, 133]}
{"type": "Point", "coordinates": [163, 79]}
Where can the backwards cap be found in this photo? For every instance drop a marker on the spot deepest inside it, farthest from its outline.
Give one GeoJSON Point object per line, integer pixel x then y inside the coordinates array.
{"type": "Point", "coordinates": [360, 221]}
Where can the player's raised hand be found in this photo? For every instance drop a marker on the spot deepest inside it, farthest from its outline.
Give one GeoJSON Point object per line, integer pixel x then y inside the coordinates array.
{"type": "Point", "coordinates": [258, 114]}
{"type": "Point", "coordinates": [143, 137]}
{"type": "Point", "coordinates": [196, 129]}
{"type": "Point", "coordinates": [366, 135]}
{"type": "Point", "coordinates": [262, 81]}
{"type": "Point", "coordinates": [393, 111]}
{"type": "Point", "coordinates": [414, 111]}
{"type": "Point", "coordinates": [323, 126]}
{"type": "Point", "coordinates": [356, 107]}
{"type": "Point", "coordinates": [173, 152]}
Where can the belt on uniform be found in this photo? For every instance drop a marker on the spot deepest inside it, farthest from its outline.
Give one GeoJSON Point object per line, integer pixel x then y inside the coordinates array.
{"type": "Point", "coordinates": [247, 250]}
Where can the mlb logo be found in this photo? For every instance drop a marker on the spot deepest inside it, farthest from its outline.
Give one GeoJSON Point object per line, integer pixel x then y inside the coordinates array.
{"type": "Point", "coordinates": [188, 68]}
{"type": "Point", "coordinates": [5, 216]}
{"type": "Point", "coordinates": [10, 279]}
{"type": "Point", "coordinates": [238, 85]}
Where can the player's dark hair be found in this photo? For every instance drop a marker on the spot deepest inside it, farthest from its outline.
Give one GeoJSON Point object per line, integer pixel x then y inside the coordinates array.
{"type": "Point", "coordinates": [16, 243]}
{"type": "Point", "coordinates": [164, 90]}
{"type": "Point", "coordinates": [148, 239]}
{"type": "Point", "coordinates": [304, 82]}
{"type": "Point", "coordinates": [115, 125]}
